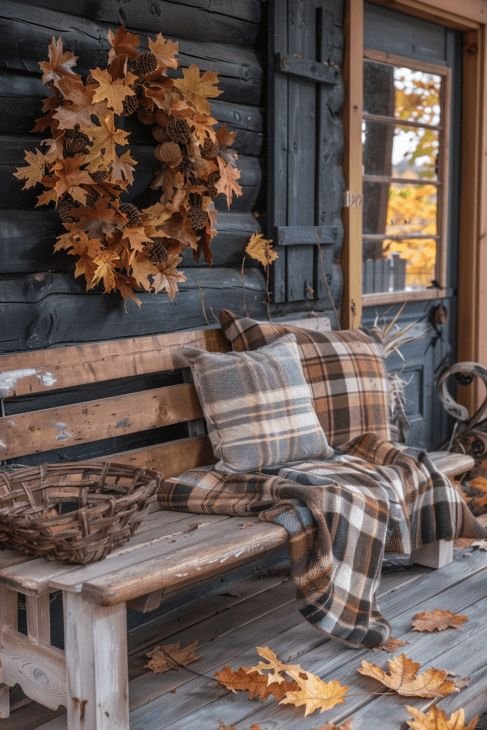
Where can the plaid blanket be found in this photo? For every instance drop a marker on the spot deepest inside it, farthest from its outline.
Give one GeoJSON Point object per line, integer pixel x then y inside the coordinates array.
{"type": "Point", "coordinates": [341, 514]}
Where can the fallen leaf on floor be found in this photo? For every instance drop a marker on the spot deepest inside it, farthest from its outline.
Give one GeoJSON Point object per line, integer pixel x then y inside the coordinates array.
{"type": "Point", "coordinates": [391, 645]}
{"type": "Point", "coordinates": [330, 726]}
{"type": "Point", "coordinates": [192, 527]}
{"type": "Point", "coordinates": [438, 620]}
{"type": "Point", "coordinates": [257, 686]}
{"type": "Point", "coordinates": [436, 719]}
{"type": "Point", "coordinates": [290, 684]}
{"type": "Point", "coordinates": [403, 678]}
{"type": "Point", "coordinates": [222, 726]}
{"type": "Point", "coordinates": [171, 656]}
{"type": "Point", "coordinates": [313, 693]}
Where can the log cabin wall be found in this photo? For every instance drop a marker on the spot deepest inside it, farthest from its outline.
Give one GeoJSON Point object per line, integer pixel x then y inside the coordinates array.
{"type": "Point", "coordinates": [41, 304]}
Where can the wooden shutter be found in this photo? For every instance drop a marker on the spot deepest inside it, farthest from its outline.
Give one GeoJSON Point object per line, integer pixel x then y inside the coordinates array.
{"type": "Point", "coordinates": [305, 191]}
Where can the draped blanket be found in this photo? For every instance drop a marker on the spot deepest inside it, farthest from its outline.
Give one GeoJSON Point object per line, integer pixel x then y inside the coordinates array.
{"type": "Point", "coordinates": [342, 514]}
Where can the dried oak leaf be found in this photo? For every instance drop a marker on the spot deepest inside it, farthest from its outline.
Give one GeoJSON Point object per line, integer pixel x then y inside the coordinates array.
{"type": "Point", "coordinates": [438, 620]}
{"type": "Point", "coordinates": [260, 249]}
{"type": "Point", "coordinates": [436, 719]}
{"type": "Point", "coordinates": [391, 645]}
{"type": "Point", "coordinates": [404, 679]}
{"type": "Point", "coordinates": [33, 172]}
{"type": "Point", "coordinates": [255, 684]}
{"type": "Point", "coordinates": [227, 185]}
{"type": "Point", "coordinates": [113, 91]}
{"type": "Point", "coordinates": [59, 63]}
{"type": "Point", "coordinates": [122, 43]}
{"type": "Point", "coordinates": [165, 51]}
{"type": "Point", "coordinates": [171, 656]}
{"type": "Point", "coordinates": [313, 693]}
{"type": "Point", "coordinates": [199, 88]}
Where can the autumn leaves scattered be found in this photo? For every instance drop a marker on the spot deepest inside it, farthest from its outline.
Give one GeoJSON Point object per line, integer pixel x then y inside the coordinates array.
{"type": "Point", "coordinates": [83, 171]}
{"type": "Point", "coordinates": [291, 684]}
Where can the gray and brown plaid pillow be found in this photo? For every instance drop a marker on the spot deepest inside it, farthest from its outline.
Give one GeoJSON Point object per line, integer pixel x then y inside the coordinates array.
{"type": "Point", "coordinates": [344, 368]}
{"type": "Point", "coordinates": [258, 406]}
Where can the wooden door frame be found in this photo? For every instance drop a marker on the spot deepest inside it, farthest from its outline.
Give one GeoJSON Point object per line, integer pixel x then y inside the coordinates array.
{"type": "Point", "coordinates": [472, 283]}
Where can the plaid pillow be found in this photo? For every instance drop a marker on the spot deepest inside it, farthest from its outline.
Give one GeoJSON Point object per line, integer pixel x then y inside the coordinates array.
{"type": "Point", "coordinates": [345, 370]}
{"type": "Point", "coordinates": [258, 406]}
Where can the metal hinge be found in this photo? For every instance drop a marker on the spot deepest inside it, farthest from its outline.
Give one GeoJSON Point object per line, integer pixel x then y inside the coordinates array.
{"type": "Point", "coordinates": [352, 200]}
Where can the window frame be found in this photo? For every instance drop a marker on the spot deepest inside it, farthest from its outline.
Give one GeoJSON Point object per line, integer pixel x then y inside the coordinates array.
{"type": "Point", "coordinates": [442, 183]}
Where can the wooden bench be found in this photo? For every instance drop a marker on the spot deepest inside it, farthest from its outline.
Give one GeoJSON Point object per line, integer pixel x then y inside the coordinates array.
{"type": "Point", "coordinates": [170, 550]}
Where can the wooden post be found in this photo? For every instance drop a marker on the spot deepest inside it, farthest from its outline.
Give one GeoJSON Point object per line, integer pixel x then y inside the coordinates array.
{"type": "Point", "coordinates": [352, 119]}
{"type": "Point", "coordinates": [96, 665]}
{"type": "Point", "coordinates": [434, 554]}
{"type": "Point", "coordinates": [38, 618]}
{"type": "Point", "coordinates": [8, 620]}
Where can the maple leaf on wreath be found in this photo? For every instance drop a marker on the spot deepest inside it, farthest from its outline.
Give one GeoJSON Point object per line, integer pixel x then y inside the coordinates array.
{"type": "Point", "coordinates": [136, 236]}
{"type": "Point", "coordinates": [165, 51]}
{"type": "Point", "coordinates": [99, 219]}
{"type": "Point", "coordinates": [227, 185]}
{"type": "Point", "coordinates": [80, 109]}
{"type": "Point", "coordinates": [105, 269]}
{"type": "Point", "coordinates": [436, 719]}
{"type": "Point", "coordinates": [113, 91]}
{"type": "Point", "coordinates": [199, 88]}
{"type": "Point", "coordinates": [403, 677]}
{"type": "Point", "coordinates": [122, 43]}
{"type": "Point", "coordinates": [224, 136]}
{"type": "Point", "coordinates": [34, 169]}
{"type": "Point", "coordinates": [59, 64]}
{"type": "Point", "coordinates": [168, 279]}
{"type": "Point", "coordinates": [49, 106]}
{"type": "Point", "coordinates": [105, 139]}
{"type": "Point", "coordinates": [70, 177]}
{"type": "Point", "coordinates": [123, 167]}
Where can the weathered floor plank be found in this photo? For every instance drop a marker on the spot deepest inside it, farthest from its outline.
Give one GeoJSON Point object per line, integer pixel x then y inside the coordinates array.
{"type": "Point", "coordinates": [230, 623]}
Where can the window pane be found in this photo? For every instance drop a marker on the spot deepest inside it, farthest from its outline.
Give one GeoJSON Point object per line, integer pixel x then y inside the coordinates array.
{"type": "Point", "coordinates": [410, 152]}
{"type": "Point", "coordinates": [402, 93]}
{"type": "Point", "coordinates": [399, 265]}
{"type": "Point", "coordinates": [399, 209]}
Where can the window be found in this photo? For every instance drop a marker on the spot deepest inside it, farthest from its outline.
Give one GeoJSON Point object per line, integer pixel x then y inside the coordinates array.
{"type": "Point", "coordinates": [405, 138]}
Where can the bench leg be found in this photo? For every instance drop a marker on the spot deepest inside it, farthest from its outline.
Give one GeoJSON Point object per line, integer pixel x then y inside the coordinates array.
{"type": "Point", "coordinates": [8, 620]}
{"type": "Point", "coordinates": [434, 554]}
{"type": "Point", "coordinates": [96, 665]}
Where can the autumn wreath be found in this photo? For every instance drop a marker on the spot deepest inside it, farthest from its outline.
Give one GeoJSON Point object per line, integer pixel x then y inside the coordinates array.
{"type": "Point", "coordinates": [85, 174]}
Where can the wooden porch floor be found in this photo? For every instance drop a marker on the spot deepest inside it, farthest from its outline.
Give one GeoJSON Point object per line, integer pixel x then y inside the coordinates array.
{"type": "Point", "coordinates": [235, 618]}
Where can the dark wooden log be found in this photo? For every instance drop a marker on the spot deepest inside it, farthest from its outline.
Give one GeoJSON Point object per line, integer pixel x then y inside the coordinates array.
{"type": "Point", "coordinates": [225, 21]}
{"type": "Point", "coordinates": [27, 238]}
{"type": "Point", "coordinates": [304, 235]}
{"type": "Point", "coordinates": [12, 155]}
{"type": "Point", "coordinates": [27, 31]}
{"type": "Point", "coordinates": [52, 309]}
{"type": "Point", "coordinates": [21, 97]}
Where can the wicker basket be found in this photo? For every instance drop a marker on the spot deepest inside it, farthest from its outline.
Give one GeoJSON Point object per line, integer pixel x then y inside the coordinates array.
{"type": "Point", "coordinates": [77, 513]}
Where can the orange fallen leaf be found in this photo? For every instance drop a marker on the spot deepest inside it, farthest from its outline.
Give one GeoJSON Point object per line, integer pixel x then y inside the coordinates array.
{"type": "Point", "coordinates": [330, 726]}
{"type": "Point", "coordinates": [390, 645]}
{"type": "Point", "coordinates": [255, 684]}
{"type": "Point", "coordinates": [171, 656]}
{"type": "Point", "coordinates": [436, 719]}
{"type": "Point", "coordinates": [403, 678]}
{"type": "Point", "coordinates": [313, 692]}
{"type": "Point", "coordinates": [438, 620]}
{"type": "Point", "coordinates": [222, 726]}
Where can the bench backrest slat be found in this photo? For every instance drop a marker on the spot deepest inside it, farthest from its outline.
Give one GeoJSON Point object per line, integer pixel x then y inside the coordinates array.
{"type": "Point", "coordinates": [39, 371]}
{"type": "Point", "coordinates": [29, 427]}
